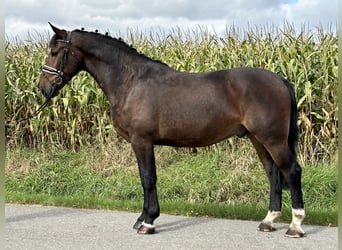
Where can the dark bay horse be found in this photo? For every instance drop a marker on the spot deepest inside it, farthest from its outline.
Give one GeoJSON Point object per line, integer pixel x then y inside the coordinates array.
{"type": "Point", "coordinates": [152, 104]}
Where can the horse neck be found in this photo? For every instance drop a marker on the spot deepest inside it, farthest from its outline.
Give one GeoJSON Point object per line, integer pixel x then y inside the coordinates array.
{"type": "Point", "coordinates": [110, 63]}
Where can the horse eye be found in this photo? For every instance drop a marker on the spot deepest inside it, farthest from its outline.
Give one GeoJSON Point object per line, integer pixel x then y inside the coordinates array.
{"type": "Point", "coordinates": [54, 53]}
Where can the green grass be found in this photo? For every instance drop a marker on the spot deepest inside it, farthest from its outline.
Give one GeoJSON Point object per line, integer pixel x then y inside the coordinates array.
{"type": "Point", "coordinates": [215, 183]}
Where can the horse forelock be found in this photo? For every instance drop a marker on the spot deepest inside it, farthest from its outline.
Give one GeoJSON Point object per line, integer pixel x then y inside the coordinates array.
{"type": "Point", "coordinates": [53, 40]}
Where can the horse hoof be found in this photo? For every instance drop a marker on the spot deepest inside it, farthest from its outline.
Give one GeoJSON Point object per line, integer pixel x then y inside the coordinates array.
{"type": "Point", "coordinates": [146, 229]}
{"type": "Point", "coordinates": [137, 225]}
{"type": "Point", "coordinates": [264, 227]}
{"type": "Point", "coordinates": [293, 234]}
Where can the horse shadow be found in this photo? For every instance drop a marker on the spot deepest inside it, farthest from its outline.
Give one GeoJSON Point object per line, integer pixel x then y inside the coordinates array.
{"type": "Point", "coordinates": [180, 224]}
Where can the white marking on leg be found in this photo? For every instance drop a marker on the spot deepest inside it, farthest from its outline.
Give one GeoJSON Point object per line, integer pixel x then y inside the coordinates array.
{"type": "Point", "coordinates": [271, 217]}
{"type": "Point", "coordinates": [298, 216]}
{"type": "Point", "coordinates": [147, 225]}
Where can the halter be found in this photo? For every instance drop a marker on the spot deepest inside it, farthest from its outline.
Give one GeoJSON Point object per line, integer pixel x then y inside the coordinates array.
{"type": "Point", "coordinates": [59, 72]}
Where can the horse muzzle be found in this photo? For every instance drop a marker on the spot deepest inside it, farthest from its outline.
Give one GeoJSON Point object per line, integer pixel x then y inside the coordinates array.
{"type": "Point", "coordinates": [50, 92]}
{"type": "Point", "coordinates": [50, 88]}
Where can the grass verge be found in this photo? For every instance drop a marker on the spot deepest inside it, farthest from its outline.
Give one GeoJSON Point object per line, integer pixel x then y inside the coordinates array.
{"type": "Point", "coordinates": [214, 182]}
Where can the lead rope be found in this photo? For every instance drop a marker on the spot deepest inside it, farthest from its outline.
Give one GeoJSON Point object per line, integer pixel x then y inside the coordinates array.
{"type": "Point", "coordinates": [47, 100]}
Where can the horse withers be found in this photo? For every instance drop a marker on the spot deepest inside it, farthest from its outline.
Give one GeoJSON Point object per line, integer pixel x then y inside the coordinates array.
{"type": "Point", "coordinates": [153, 104]}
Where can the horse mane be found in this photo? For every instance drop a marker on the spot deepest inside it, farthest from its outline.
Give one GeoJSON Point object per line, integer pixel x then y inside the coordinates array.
{"type": "Point", "coordinates": [118, 41]}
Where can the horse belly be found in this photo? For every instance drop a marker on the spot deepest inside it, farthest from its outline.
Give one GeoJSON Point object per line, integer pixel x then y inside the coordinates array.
{"type": "Point", "coordinates": [196, 130]}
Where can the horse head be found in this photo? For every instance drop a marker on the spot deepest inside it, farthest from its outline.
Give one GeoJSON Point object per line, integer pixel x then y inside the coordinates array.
{"type": "Point", "coordinates": [62, 63]}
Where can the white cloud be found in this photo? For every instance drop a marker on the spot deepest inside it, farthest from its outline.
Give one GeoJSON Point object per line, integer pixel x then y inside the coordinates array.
{"type": "Point", "coordinates": [119, 15]}
{"type": "Point", "coordinates": [313, 12]}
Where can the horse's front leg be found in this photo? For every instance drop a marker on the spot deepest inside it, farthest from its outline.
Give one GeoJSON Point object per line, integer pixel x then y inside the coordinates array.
{"type": "Point", "coordinates": [143, 150]}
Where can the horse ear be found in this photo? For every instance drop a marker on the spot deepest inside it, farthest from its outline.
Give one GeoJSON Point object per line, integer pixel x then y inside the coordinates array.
{"type": "Point", "coordinates": [60, 33]}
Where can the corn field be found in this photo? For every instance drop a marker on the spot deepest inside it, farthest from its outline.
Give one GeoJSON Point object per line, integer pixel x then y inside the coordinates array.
{"type": "Point", "coordinates": [79, 116]}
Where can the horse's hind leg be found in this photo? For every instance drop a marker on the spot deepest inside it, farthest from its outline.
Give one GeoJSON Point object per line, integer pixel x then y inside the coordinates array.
{"type": "Point", "coordinates": [290, 169]}
{"type": "Point", "coordinates": [274, 211]}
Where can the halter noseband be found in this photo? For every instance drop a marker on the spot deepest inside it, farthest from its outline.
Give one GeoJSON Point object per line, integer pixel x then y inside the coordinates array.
{"type": "Point", "coordinates": [59, 72]}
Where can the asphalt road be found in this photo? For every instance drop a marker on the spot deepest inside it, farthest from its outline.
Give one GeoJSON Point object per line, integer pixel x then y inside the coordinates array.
{"type": "Point", "coordinates": [38, 227]}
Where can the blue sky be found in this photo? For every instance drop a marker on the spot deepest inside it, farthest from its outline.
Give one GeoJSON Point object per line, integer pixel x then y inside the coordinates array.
{"type": "Point", "coordinates": [116, 16]}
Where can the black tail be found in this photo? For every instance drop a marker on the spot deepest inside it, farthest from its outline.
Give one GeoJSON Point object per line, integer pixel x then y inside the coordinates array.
{"type": "Point", "coordinates": [293, 132]}
{"type": "Point", "coordinates": [278, 178]}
